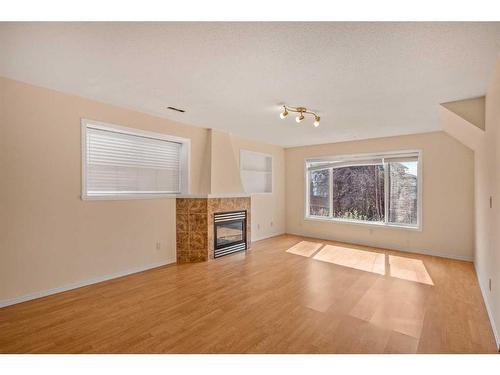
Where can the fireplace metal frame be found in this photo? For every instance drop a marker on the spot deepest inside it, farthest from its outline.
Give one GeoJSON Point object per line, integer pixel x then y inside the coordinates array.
{"type": "Point", "coordinates": [230, 217]}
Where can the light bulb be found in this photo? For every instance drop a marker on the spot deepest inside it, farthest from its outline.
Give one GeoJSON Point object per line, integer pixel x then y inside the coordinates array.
{"type": "Point", "coordinates": [283, 114]}
{"type": "Point", "coordinates": [299, 118]}
{"type": "Point", "coordinates": [316, 121]}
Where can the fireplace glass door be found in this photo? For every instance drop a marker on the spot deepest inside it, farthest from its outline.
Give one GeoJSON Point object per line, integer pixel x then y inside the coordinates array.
{"type": "Point", "coordinates": [230, 232]}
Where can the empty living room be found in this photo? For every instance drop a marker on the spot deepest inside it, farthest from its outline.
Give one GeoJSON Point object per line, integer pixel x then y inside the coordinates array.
{"type": "Point", "coordinates": [257, 183]}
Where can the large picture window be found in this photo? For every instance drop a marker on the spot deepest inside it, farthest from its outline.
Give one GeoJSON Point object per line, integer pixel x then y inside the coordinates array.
{"type": "Point", "coordinates": [381, 189]}
{"type": "Point", "coordinates": [120, 162]}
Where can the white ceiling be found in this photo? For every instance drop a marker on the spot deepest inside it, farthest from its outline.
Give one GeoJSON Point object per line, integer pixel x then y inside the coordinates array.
{"type": "Point", "coordinates": [365, 79]}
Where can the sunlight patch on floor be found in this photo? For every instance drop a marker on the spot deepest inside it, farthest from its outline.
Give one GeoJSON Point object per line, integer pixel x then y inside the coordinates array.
{"type": "Point", "coordinates": [404, 268]}
{"type": "Point", "coordinates": [358, 259]}
{"type": "Point", "coordinates": [409, 269]}
{"type": "Point", "coordinates": [305, 248]}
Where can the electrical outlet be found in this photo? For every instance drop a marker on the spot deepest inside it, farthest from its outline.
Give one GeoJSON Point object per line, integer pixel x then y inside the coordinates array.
{"type": "Point", "coordinates": [158, 245]}
{"type": "Point", "coordinates": [489, 284]}
{"type": "Point", "coordinates": [271, 224]}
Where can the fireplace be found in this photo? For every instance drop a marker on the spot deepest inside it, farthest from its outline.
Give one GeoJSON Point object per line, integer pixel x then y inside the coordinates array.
{"type": "Point", "coordinates": [229, 232]}
{"type": "Point", "coordinates": [196, 226]}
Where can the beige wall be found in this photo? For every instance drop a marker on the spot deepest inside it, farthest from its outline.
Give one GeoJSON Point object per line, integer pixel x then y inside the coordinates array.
{"type": "Point", "coordinates": [487, 183]}
{"type": "Point", "coordinates": [225, 173]}
{"type": "Point", "coordinates": [49, 237]}
{"type": "Point", "coordinates": [268, 210]}
{"type": "Point", "coordinates": [448, 197]}
{"type": "Point", "coordinates": [461, 129]}
{"type": "Point", "coordinates": [471, 110]}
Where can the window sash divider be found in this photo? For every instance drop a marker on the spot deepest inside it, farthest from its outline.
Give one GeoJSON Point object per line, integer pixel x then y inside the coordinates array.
{"type": "Point", "coordinates": [386, 191]}
{"type": "Point", "coordinates": [330, 198]}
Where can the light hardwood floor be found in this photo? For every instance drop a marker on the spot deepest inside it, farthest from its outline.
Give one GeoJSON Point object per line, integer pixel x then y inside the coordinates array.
{"type": "Point", "coordinates": [311, 299]}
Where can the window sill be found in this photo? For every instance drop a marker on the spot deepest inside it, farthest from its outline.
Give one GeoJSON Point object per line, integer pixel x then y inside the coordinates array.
{"type": "Point", "coordinates": [127, 197]}
{"type": "Point", "coordinates": [368, 224]}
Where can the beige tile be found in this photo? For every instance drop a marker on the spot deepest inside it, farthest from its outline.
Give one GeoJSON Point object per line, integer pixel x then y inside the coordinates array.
{"type": "Point", "coordinates": [197, 222]}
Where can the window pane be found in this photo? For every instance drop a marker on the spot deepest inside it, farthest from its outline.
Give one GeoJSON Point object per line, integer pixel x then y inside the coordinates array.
{"type": "Point", "coordinates": [358, 193]}
{"type": "Point", "coordinates": [319, 193]}
{"type": "Point", "coordinates": [403, 193]}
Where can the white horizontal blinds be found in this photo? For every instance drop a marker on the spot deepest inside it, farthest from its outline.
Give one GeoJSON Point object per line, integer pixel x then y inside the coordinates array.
{"type": "Point", "coordinates": [401, 159]}
{"type": "Point", "coordinates": [361, 161]}
{"type": "Point", "coordinates": [122, 163]}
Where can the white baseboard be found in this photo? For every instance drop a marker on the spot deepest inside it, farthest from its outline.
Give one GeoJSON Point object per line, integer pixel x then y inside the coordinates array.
{"type": "Point", "coordinates": [488, 309]}
{"type": "Point", "coordinates": [419, 251]}
{"type": "Point", "coordinates": [95, 280]}
{"type": "Point", "coordinates": [436, 254]}
{"type": "Point", "coordinates": [267, 236]}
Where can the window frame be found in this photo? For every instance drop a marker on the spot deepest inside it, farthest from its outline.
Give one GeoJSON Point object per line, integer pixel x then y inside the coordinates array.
{"type": "Point", "coordinates": [361, 157]}
{"type": "Point", "coordinates": [185, 160]}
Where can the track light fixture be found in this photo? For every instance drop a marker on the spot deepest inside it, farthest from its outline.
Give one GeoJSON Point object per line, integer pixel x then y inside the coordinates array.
{"type": "Point", "coordinates": [283, 114]}
{"type": "Point", "coordinates": [316, 121]}
{"type": "Point", "coordinates": [301, 111]}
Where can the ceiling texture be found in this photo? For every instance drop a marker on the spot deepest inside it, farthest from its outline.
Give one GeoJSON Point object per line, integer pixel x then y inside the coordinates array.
{"type": "Point", "coordinates": [364, 79]}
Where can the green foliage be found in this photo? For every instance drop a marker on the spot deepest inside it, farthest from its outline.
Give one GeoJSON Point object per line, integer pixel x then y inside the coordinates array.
{"type": "Point", "coordinates": [351, 215]}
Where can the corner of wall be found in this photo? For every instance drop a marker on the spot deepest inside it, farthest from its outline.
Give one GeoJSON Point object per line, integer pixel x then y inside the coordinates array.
{"type": "Point", "coordinates": [460, 128]}
{"type": "Point", "coordinates": [487, 194]}
{"type": "Point", "coordinates": [225, 173]}
{"type": "Point", "coordinates": [489, 309]}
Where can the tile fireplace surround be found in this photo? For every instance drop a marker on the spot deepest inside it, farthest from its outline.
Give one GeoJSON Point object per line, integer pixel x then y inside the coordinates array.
{"type": "Point", "coordinates": [195, 225]}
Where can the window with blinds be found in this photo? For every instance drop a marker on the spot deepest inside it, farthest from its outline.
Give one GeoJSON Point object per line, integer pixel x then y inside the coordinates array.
{"type": "Point", "coordinates": [123, 162]}
{"type": "Point", "coordinates": [382, 189]}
